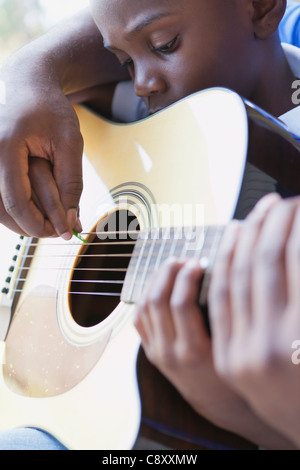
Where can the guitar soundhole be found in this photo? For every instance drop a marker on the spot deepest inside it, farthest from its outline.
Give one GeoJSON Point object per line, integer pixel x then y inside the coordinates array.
{"type": "Point", "coordinates": [98, 276]}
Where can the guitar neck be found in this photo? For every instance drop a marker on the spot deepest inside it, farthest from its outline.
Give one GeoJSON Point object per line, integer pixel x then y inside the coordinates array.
{"type": "Point", "coordinates": [154, 247]}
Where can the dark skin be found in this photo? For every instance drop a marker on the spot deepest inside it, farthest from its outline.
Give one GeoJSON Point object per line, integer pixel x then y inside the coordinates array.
{"type": "Point", "coordinates": [233, 44]}
{"type": "Point", "coordinates": [173, 49]}
{"type": "Point", "coordinates": [69, 64]}
{"type": "Point", "coordinates": [160, 43]}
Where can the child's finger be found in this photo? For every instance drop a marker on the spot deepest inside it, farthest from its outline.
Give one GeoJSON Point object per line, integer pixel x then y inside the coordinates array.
{"type": "Point", "coordinates": [219, 296]}
{"type": "Point", "coordinates": [293, 263]}
{"type": "Point", "coordinates": [186, 314]}
{"type": "Point", "coordinates": [240, 278]}
{"type": "Point", "coordinates": [154, 307]}
{"type": "Point", "coordinates": [269, 286]}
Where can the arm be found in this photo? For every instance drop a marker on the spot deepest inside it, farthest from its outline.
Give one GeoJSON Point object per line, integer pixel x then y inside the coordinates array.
{"type": "Point", "coordinates": [176, 342]}
{"type": "Point", "coordinates": [70, 56]}
{"type": "Point", "coordinates": [68, 64]}
{"type": "Point", "coordinates": [255, 315]}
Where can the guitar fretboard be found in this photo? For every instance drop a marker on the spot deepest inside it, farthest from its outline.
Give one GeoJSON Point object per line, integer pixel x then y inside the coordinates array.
{"type": "Point", "coordinates": [155, 246]}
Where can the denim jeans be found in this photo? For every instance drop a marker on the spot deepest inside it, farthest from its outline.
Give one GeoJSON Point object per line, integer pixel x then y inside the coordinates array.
{"type": "Point", "coordinates": [28, 439]}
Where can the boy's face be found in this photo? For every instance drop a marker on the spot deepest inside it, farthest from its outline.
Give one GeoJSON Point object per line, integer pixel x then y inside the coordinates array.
{"type": "Point", "coordinates": [173, 48]}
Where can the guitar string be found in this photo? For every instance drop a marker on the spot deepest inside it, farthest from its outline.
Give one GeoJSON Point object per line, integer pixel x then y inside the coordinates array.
{"type": "Point", "coordinates": [36, 268]}
{"type": "Point", "coordinates": [126, 243]}
{"type": "Point", "coordinates": [107, 235]}
{"type": "Point", "coordinates": [99, 281]}
{"type": "Point", "coordinates": [87, 281]}
{"type": "Point", "coordinates": [76, 256]}
{"type": "Point", "coordinates": [99, 294]}
{"type": "Point", "coordinates": [104, 255]}
{"type": "Point", "coordinates": [117, 232]}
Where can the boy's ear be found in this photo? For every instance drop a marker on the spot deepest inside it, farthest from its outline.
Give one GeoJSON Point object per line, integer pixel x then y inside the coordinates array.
{"type": "Point", "coordinates": [267, 15]}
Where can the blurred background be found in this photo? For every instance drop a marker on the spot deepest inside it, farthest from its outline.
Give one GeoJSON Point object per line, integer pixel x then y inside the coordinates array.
{"type": "Point", "coordinates": [20, 22]}
{"type": "Point", "coordinates": [23, 20]}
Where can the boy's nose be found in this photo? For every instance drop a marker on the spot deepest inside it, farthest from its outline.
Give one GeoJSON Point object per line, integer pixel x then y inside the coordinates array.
{"type": "Point", "coordinates": [148, 82]}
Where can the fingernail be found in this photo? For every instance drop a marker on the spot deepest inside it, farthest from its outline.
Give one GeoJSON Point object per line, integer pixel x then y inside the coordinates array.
{"type": "Point", "coordinates": [73, 220]}
{"type": "Point", "coordinates": [78, 226]}
{"type": "Point", "coordinates": [72, 217]}
{"type": "Point", "coordinates": [67, 236]}
{"type": "Point", "coordinates": [193, 264]}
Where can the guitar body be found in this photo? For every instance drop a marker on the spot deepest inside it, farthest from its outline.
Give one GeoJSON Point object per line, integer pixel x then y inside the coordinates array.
{"type": "Point", "coordinates": [70, 358]}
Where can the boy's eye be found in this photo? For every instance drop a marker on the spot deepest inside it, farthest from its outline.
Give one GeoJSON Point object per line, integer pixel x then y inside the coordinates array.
{"type": "Point", "coordinates": [166, 48]}
{"type": "Point", "coordinates": [169, 47]}
{"type": "Point", "coordinates": [127, 63]}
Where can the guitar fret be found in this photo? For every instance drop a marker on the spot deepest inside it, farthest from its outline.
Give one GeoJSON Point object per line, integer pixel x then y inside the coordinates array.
{"type": "Point", "coordinates": [184, 250]}
{"type": "Point", "coordinates": [145, 267]}
{"type": "Point", "coordinates": [179, 250]}
{"type": "Point", "coordinates": [217, 235]}
{"type": "Point", "coordinates": [158, 245]}
{"type": "Point", "coordinates": [159, 257]}
{"type": "Point", "coordinates": [195, 244]}
{"type": "Point", "coordinates": [130, 279]}
{"type": "Point", "coordinates": [174, 243]}
{"type": "Point", "coordinates": [166, 252]}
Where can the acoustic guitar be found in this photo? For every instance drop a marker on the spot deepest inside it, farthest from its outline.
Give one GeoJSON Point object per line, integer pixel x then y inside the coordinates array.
{"type": "Point", "coordinates": [72, 362]}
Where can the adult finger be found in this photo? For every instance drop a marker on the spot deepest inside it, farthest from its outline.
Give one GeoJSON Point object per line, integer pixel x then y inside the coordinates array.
{"type": "Point", "coordinates": [46, 196]}
{"type": "Point", "coordinates": [8, 222]}
{"type": "Point", "coordinates": [67, 170]}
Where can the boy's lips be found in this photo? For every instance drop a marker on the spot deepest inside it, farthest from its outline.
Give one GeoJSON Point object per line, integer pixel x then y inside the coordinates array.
{"type": "Point", "coordinates": [153, 111]}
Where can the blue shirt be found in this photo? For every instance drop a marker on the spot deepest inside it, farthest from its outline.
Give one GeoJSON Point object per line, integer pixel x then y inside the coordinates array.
{"type": "Point", "coordinates": [289, 28]}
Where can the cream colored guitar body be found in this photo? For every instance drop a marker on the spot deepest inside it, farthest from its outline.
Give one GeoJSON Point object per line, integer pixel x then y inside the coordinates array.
{"type": "Point", "coordinates": [79, 383]}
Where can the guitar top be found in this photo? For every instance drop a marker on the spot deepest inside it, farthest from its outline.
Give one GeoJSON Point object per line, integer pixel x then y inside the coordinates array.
{"type": "Point", "coordinates": [164, 186]}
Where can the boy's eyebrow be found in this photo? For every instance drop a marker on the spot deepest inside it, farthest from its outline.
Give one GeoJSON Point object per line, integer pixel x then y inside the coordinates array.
{"type": "Point", "coordinates": [140, 26]}
{"type": "Point", "coordinates": [147, 21]}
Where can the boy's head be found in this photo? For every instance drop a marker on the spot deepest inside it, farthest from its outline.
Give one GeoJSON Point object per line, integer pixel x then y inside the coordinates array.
{"type": "Point", "coordinates": [173, 48]}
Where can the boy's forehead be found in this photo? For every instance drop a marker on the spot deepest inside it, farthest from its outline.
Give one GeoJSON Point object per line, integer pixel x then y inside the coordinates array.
{"type": "Point", "coordinates": [137, 4]}
{"type": "Point", "coordinates": [121, 11]}
{"type": "Point", "coordinates": [126, 15]}
{"type": "Point", "coordinates": [115, 9]}
{"type": "Point", "coordinates": [205, 20]}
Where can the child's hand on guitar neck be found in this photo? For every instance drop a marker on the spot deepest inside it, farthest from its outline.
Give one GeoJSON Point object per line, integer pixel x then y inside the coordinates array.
{"type": "Point", "coordinates": [176, 341]}
{"type": "Point", "coordinates": [174, 336]}
{"type": "Point", "coordinates": [39, 196]}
